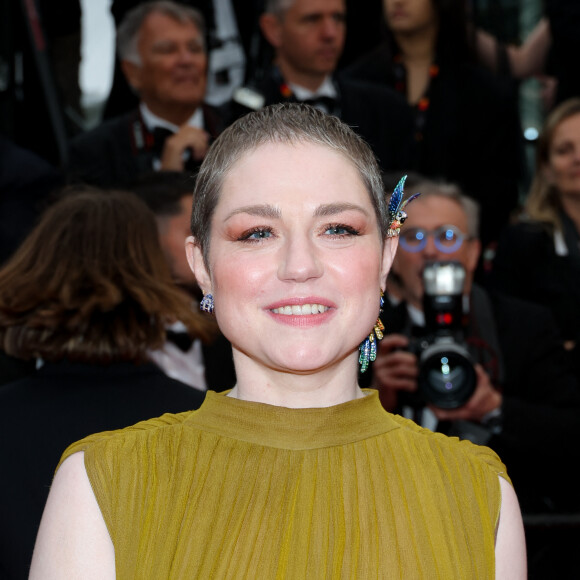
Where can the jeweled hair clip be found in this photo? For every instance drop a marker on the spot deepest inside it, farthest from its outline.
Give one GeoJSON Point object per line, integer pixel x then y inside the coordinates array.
{"type": "Point", "coordinates": [397, 215]}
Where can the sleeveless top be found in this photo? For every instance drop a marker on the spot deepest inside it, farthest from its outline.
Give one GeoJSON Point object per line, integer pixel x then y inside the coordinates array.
{"type": "Point", "coordinates": [239, 489]}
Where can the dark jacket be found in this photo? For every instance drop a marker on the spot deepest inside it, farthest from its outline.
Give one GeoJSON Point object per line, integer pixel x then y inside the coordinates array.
{"type": "Point", "coordinates": [526, 266]}
{"type": "Point", "coordinates": [378, 115]}
{"type": "Point", "coordinates": [46, 412]}
{"type": "Point", "coordinates": [121, 149]}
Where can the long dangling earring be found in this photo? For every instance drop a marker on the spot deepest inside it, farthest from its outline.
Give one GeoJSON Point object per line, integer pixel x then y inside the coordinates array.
{"type": "Point", "coordinates": [206, 304]}
{"type": "Point", "coordinates": [368, 347]}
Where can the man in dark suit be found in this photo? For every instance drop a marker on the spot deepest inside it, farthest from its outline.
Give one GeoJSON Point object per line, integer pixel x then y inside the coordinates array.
{"type": "Point", "coordinates": [526, 401]}
{"type": "Point", "coordinates": [183, 357]}
{"type": "Point", "coordinates": [308, 38]}
{"type": "Point", "coordinates": [163, 55]}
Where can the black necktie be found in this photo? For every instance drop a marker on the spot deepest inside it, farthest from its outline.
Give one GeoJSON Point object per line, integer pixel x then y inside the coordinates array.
{"type": "Point", "coordinates": [160, 134]}
{"type": "Point", "coordinates": [180, 339]}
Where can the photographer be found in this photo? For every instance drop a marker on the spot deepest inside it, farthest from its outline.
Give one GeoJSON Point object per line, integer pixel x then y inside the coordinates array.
{"type": "Point", "coordinates": [525, 402]}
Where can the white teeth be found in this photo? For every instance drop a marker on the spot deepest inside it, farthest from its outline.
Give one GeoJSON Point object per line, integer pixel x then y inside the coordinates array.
{"type": "Point", "coordinates": [298, 310]}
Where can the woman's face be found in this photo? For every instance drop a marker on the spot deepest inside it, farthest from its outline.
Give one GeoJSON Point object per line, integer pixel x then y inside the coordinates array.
{"type": "Point", "coordinates": [296, 260]}
{"type": "Point", "coordinates": [563, 167]}
{"type": "Point", "coordinates": [409, 16]}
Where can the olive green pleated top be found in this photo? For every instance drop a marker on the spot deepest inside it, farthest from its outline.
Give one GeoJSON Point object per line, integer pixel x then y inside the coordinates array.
{"type": "Point", "coordinates": [247, 490]}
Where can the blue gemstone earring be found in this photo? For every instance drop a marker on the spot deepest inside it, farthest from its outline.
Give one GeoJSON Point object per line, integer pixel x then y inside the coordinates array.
{"type": "Point", "coordinates": [206, 304]}
{"type": "Point", "coordinates": [368, 347]}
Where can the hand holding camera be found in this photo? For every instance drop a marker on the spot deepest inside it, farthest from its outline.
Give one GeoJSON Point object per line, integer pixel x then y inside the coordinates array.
{"type": "Point", "coordinates": [484, 400]}
{"type": "Point", "coordinates": [395, 369]}
{"type": "Point", "coordinates": [437, 366]}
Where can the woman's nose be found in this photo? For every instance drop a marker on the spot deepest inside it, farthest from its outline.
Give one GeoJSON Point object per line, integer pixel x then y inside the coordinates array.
{"type": "Point", "coordinates": [299, 261]}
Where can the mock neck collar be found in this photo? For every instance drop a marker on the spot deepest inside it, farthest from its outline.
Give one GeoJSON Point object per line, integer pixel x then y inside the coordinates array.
{"type": "Point", "coordinates": [285, 428]}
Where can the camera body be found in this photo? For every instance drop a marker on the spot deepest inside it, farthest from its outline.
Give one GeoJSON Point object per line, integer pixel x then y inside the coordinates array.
{"type": "Point", "coordinates": [447, 375]}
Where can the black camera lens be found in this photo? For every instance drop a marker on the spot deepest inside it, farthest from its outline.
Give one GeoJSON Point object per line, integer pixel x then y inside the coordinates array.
{"type": "Point", "coordinates": [447, 377]}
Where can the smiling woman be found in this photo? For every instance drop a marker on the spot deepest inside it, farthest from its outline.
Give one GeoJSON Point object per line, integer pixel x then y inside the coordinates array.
{"type": "Point", "coordinates": [296, 472]}
{"type": "Point", "coordinates": [538, 259]}
{"type": "Point", "coordinates": [314, 241]}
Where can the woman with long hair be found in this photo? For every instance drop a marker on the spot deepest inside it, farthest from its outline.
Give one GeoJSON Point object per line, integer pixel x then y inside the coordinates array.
{"type": "Point", "coordinates": [538, 259]}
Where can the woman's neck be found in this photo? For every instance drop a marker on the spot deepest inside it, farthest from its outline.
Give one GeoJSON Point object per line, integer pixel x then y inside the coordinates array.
{"type": "Point", "coordinates": [418, 47]}
{"type": "Point", "coordinates": [418, 54]}
{"type": "Point", "coordinates": [322, 388]}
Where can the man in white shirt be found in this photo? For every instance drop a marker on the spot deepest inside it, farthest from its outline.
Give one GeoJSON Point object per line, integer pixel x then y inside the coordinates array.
{"type": "Point", "coordinates": [308, 37]}
{"type": "Point", "coordinates": [163, 55]}
{"type": "Point", "coordinates": [183, 356]}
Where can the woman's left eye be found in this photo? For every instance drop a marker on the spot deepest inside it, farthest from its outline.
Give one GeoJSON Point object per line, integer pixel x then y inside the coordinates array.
{"type": "Point", "coordinates": [340, 230]}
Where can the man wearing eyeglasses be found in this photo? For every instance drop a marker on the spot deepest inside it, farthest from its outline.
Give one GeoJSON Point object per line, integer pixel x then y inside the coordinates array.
{"type": "Point", "coordinates": [526, 401]}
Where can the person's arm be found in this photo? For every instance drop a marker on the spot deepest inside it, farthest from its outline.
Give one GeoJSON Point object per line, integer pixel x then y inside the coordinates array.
{"type": "Point", "coordinates": [394, 370]}
{"type": "Point", "coordinates": [193, 138]}
{"type": "Point", "coordinates": [73, 540]}
{"type": "Point", "coordinates": [526, 60]}
{"type": "Point", "coordinates": [510, 544]}
{"type": "Point", "coordinates": [529, 58]}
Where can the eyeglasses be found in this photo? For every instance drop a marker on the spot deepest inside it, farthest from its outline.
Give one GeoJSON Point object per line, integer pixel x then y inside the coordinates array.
{"type": "Point", "coordinates": [448, 239]}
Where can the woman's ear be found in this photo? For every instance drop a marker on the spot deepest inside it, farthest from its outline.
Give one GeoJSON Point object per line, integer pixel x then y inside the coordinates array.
{"type": "Point", "coordinates": [389, 251]}
{"type": "Point", "coordinates": [197, 264]}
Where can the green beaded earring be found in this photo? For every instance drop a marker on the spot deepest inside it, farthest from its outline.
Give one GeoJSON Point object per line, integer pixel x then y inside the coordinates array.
{"type": "Point", "coordinates": [368, 347]}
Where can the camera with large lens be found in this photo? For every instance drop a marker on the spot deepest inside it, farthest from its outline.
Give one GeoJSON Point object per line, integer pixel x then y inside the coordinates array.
{"type": "Point", "coordinates": [447, 376]}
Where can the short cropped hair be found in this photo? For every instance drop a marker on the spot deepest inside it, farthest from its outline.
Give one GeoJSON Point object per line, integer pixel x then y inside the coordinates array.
{"type": "Point", "coordinates": [431, 188]}
{"type": "Point", "coordinates": [90, 284]}
{"type": "Point", "coordinates": [129, 28]}
{"type": "Point", "coordinates": [286, 123]}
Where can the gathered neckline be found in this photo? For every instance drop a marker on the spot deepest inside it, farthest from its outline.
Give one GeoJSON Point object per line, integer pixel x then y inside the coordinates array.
{"type": "Point", "coordinates": [286, 428]}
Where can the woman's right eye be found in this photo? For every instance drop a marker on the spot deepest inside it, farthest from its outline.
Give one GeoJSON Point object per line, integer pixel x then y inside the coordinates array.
{"type": "Point", "coordinates": [255, 235]}
{"type": "Point", "coordinates": [564, 149]}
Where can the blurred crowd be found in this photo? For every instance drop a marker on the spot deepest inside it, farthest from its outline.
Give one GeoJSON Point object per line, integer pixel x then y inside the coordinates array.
{"type": "Point", "coordinates": [435, 94]}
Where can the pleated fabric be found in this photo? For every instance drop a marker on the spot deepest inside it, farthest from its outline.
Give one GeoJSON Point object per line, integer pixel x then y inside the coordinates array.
{"type": "Point", "coordinates": [246, 490]}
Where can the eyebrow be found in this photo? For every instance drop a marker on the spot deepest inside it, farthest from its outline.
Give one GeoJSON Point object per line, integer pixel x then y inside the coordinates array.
{"type": "Point", "coordinates": [261, 210]}
{"type": "Point", "coordinates": [329, 209]}
{"type": "Point", "coordinates": [269, 211]}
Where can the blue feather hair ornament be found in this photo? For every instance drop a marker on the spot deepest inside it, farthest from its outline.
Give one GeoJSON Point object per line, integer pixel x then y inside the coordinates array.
{"type": "Point", "coordinates": [397, 213]}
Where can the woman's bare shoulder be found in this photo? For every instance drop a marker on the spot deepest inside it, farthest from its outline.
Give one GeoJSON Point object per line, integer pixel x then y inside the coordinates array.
{"type": "Point", "coordinates": [73, 540]}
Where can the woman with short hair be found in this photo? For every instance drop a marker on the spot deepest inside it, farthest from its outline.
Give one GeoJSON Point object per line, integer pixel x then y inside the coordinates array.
{"type": "Point", "coordinates": [296, 472]}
